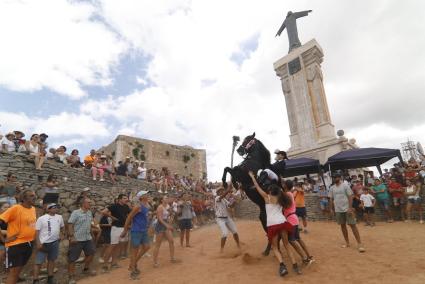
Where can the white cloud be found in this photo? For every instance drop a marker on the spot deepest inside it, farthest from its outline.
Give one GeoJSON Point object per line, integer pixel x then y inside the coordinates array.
{"type": "Point", "coordinates": [55, 44]}
{"type": "Point", "coordinates": [75, 128]}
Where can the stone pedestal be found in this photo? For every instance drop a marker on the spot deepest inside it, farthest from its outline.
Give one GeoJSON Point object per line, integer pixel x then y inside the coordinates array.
{"type": "Point", "coordinates": [312, 132]}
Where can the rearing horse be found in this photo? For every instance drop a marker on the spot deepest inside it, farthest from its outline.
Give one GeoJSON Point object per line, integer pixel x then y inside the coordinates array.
{"type": "Point", "coordinates": [256, 157]}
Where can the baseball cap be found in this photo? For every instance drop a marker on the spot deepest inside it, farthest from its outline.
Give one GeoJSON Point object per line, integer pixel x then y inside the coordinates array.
{"type": "Point", "coordinates": [141, 193]}
{"type": "Point", "coordinates": [52, 205]}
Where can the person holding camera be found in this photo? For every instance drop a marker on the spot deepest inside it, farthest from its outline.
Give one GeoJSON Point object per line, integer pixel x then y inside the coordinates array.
{"type": "Point", "coordinates": [48, 229]}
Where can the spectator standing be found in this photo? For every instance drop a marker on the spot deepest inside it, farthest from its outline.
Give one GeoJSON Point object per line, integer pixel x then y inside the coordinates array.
{"type": "Point", "coordinates": [89, 159]}
{"type": "Point", "coordinates": [301, 211]}
{"type": "Point", "coordinates": [368, 204]}
{"type": "Point", "coordinates": [323, 200]}
{"type": "Point", "coordinates": [10, 189]}
{"type": "Point", "coordinates": [185, 215]}
{"type": "Point", "coordinates": [7, 145]}
{"type": "Point", "coordinates": [80, 238]}
{"type": "Point", "coordinates": [163, 228]}
{"type": "Point", "coordinates": [141, 171]}
{"type": "Point", "coordinates": [20, 220]}
{"type": "Point", "coordinates": [118, 212]}
{"type": "Point", "coordinates": [48, 234]}
{"type": "Point", "coordinates": [139, 221]}
{"type": "Point", "coordinates": [3, 231]}
{"type": "Point", "coordinates": [397, 192]}
{"type": "Point", "coordinates": [105, 236]}
{"type": "Point", "coordinates": [413, 199]}
{"type": "Point", "coordinates": [342, 199]}
{"type": "Point", "coordinates": [34, 150]}
{"type": "Point", "coordinates": [383, 198]}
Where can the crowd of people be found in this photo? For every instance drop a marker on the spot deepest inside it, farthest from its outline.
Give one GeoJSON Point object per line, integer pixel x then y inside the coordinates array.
{"type": "Point", "coordinates": [397, 193]}
{"type": "Point", "coordinates": [99, 164]}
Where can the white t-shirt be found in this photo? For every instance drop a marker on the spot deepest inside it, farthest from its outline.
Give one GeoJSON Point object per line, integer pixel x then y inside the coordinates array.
{"type": "Point", "coordinates": [142, 173]}
{"type": "Point", "coordinates": [221, 207]}
{"type": "Point", "coordinates": [10, 146]}
{"type": "Point", "coordinates": [367, 199]}
{"type": "Point", "coordinates": [49, 228]}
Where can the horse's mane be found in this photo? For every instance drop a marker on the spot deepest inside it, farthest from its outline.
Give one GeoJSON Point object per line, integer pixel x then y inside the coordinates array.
{"type": "Point", "coordinates": [266, 153]}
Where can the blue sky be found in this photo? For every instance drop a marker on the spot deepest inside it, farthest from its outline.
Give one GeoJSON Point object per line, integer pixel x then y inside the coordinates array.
{"type": "Point", "coordinates": [193, 73]}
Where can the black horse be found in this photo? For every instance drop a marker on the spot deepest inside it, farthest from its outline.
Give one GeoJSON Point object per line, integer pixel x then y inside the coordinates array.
{"type": "Point", "coordinates": [256, 157]}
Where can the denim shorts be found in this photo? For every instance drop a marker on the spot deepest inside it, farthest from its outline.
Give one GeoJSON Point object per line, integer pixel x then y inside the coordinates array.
{"type": "Point", "coordinates": [139, 238]}
{"type": "Point", "coordinates": [324, 204]}
{"type": "Point", "coordinates": [385, 203]}
{"type": "Point", "coordinates": [160, 228]}
{"type": "Point", "coordinates": [49, 251]}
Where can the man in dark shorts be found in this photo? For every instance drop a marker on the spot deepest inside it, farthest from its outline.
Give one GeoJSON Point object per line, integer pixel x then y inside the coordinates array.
{"type": "Point", "coordinates": [80, 239]}
{"type": "Point", "coordinates": [118, 212]}
{"type": "Point", "coordinates": [20, 219]}
{"type": "Point", "coordinates": [185, 216]}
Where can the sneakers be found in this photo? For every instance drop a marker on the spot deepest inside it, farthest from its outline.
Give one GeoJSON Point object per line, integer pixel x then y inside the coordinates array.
{"type": "Point", "coordinates": [282, 270]}
{"type": "Point", "coordinates": [101, 179]}
{"type": "Point", "coordinates": [361, 249]}
{"type": "Point", "coordinates": [296, 268]}
{"type": "Point", "coordinates": [72, 280]}
{"type": "Point", "coordinates": [94, 179]}
{"type": "Point", "coordinates": [308, 261]}
{"type": "Point", "coordinates": [134, 276]}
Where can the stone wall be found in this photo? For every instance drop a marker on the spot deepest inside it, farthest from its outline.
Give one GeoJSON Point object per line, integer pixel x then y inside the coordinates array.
{"type": "Point", "coordinates": [248, 210]}
{"type": "Point", "coordinates": [183, 160]}
{"type": "Point", "coordinates": [72, 181]}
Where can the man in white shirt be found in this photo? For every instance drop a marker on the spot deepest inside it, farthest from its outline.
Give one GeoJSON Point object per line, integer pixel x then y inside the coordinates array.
{"type": "Point", "coordinates": [223, 218]}
{"type": "Point", "coordinates": [7, 144]}
{"type": "Point", "coordinates": [142, 171]}
{"type": "Point", "coordinates": [48, 230]}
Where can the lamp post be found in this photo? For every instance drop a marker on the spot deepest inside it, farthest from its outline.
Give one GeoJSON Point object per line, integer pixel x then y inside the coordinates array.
{"type": "Point", "coordinates": [235, 142]}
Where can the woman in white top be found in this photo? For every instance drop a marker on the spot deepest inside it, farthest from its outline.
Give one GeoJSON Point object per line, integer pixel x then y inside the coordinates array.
{"type": "Point", "coordinates": [277, 226]}
{"type": "Point", "coordinates": [163, 228]}
{"type": "Point", "coordinates": [33, 147]}
{"type": "Point", "coordinates": [413, 199]}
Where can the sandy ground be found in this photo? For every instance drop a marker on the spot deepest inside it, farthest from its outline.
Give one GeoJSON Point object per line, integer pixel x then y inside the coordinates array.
{"type": "Point", "coordinates": [395, 254]}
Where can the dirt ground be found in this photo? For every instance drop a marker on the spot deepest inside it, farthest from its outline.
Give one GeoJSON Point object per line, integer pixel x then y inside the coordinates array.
{"type": "Point", "coordinates": [395, 253]}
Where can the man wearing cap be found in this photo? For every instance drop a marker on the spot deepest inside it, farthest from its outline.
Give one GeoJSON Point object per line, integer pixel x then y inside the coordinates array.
{"type": "Point", "coordinates": [341, 197]}
{"type": "Point", "coordinates": [48, 233]}
{"type": "Point", "coordinates": [7, 144]}
{"type": "Point", "coordinates": [138, 219]}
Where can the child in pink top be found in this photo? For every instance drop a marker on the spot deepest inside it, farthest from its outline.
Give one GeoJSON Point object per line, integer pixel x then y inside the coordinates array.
{"type": "Point", "coordinates": [294, 237]}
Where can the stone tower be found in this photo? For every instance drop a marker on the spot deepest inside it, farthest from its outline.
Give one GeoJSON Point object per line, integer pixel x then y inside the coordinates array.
{"type": "Point", "coordinates": [312, 132]}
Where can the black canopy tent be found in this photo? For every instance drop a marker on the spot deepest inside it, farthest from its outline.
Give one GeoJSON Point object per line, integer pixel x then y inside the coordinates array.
{"type": "Point", "coordinates": [360, 158]}
{"type": "Point", "coordinates": [301, 166]}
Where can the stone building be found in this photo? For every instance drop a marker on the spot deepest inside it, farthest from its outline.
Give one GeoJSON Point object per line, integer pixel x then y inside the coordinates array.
{"type": "Point", "coordinates": [183, 160]}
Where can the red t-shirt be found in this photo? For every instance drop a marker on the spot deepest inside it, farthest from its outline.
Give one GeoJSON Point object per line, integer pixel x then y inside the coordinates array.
{"type": "Point", "coordinates": [395, 185]}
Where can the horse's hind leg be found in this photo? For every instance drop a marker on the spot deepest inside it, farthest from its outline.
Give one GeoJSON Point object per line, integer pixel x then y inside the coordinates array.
{"type": "Point", "coordinates": [223, 179]}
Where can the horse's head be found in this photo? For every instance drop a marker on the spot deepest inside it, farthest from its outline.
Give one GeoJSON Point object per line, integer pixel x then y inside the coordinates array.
{"type": "Point", "coordinates": [246, 146]}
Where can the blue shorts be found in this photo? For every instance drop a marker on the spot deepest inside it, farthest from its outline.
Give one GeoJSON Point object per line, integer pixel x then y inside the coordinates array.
{"type": "Point", "coordinates": [185, 224]}
{"type": "Point", "coordinates": [301, 212]}
{"type": "Point", "coordinates": [324, 204]}
{"type": "Point", "coordinates": [385, 203]}
{"type": "Point", "coordinates": [160, 228]}
{"type": "Point", "coordinates": [139, 238]}
{"type": "Point", "coordinates": [49, 251]}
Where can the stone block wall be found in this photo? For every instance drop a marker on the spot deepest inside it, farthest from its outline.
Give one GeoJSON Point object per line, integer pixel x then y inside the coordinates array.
{"type": "Point", "coordinates": [72, 182]}
{"type": "Point", "coordinates": [246, 209]}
